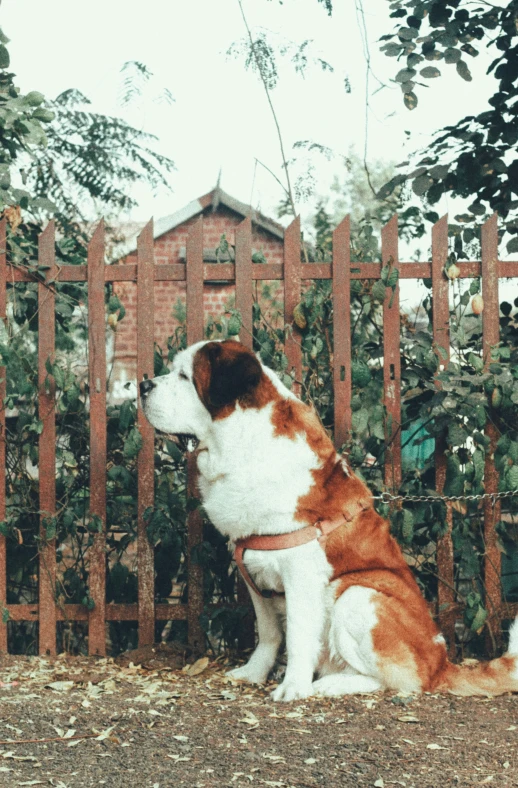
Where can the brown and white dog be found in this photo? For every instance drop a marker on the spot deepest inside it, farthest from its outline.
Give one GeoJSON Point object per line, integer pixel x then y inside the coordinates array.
{"type": "Point", "coordinates": [354, 616]}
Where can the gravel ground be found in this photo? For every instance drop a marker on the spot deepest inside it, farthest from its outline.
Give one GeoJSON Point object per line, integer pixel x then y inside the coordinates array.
{"type": "Point", "coordinates": [76, 722]}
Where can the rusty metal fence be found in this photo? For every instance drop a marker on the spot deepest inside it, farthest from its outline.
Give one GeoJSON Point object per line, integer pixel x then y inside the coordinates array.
{"type": "Point", "coordinates": [243, 273]}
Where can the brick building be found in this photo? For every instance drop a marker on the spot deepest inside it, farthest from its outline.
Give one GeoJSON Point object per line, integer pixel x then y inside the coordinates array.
{"type": "Point", "coordinates": [221, 215]}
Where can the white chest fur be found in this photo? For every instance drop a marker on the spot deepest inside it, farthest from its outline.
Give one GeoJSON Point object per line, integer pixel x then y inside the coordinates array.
{"type": "Point", "coordinates": [251, 480]}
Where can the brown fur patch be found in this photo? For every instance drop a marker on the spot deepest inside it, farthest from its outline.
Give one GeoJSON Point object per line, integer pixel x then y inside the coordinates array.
{"type": "Point", "coordinates": [486, 678]}
{"type": "Point", "coordinates": [227, 373]}
{"type": "Point", "coordinates": [333, 489]}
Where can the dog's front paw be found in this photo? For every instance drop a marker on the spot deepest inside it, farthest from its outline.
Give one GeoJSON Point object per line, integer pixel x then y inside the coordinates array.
{"type": "Point", "coordinates": [292, 690]}
{"type": "Point", "coordinates": [247, 673]}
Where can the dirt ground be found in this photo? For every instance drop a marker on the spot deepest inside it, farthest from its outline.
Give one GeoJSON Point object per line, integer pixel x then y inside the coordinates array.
{"type": "Point", "coordinates": [74, 722]}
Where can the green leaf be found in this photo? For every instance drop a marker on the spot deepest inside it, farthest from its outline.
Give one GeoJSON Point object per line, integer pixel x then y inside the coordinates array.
{"type": "Point", "coordinates": [512, 477]}
{"type": "Point", "coordinates": [405, 75]}
{"type": "Point", "coordinates": [454, 480]}
{"type": "Point", "coordinates": [4, 57]}
{"type": "Point", "coordinates": [43, 114]}
{"type": "Point", "coordinates": [476, 362]}
{"type": "Point", "coordinates": [95, 526]}
{"type": "Point", "coordinates": [378, 291]}
{"type": "Point", "coordinates": [463, 71]}
{"type": "Point", "coordinates": [361, 374]}
{"type": "Point", "coordinates": [34, 99]}
{"type": "Point", "coordinates": [430, 72]}
{"type": "Point", "coordinates": [452, 55]}
{"type": "Point", "coordinates": [479, 619]}
{"type": "Point", "coordinates": [360, 420]}
{"type": "Point", "coordinates": [407, 527]}
{"type": "Point", "coordinates": [410, 100]}
{"type": "Point", "coordinates": [421, 184]}
{"type": "Point", "coordinates": [132, 444]}
{"type": "Point", "coordinates": [50, 524]}
{"type": "Point", "coordinates": [173, 451]}
{"type": "Point", "coordinates": [125, 415]}
{"type": "Point", "coordinates": [234, 324]}
{"type": "Point", "coordinates": [512, 245]}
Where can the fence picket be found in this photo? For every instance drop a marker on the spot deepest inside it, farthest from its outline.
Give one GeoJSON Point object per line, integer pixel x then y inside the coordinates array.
{"type": "Point", "coordinates": [244, 304]}
{"type": "Point", "coordinates": [342, 341]}
{"type": "Point", "coordinates": [292, 275]}
{"type": "Point", "coordinates": [195, 333]}
{"type": "Point", "coordinates": [392, 360]}
{"type": "Point", "coordinates": [3, 544]}
{"type": "Point", "coordinates": [97, 390]}
{"type": "Point", "coordinates": [47, 441]}
{"type": "Point", "coordinates": [244, 292]}
{"type": "Point", "coordinates": [441, 338]}
{"type": "Point", "coordinates": [490, 340]}
{"type": "Point", "coordinates": [146, 455]}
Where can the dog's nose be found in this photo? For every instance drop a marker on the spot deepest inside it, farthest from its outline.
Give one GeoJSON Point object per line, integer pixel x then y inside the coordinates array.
{"type": "Point", "coordinates": [145, 387]}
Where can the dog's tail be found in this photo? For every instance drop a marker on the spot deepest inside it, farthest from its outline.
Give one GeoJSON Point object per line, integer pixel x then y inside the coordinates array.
{"type": "Point", "coordinates": [485, 678]}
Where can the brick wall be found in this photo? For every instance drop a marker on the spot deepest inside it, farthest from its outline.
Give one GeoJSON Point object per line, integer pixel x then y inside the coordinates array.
{"type": "Point", "coordinates": [168, 248]}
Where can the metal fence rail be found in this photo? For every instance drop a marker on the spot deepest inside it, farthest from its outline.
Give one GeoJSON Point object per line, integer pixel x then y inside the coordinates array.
{"type": "Point", "coordinates": [243, 273]}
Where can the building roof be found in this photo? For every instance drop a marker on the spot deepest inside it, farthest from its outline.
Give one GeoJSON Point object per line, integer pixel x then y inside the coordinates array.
{"type": "Point", "coordinates": [215, 198]}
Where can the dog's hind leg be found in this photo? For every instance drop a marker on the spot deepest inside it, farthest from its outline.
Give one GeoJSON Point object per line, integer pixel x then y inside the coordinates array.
{"type": "Point", "coordinates": [369, 632]}
{"type": "Point", "coordinates": [270, 634]}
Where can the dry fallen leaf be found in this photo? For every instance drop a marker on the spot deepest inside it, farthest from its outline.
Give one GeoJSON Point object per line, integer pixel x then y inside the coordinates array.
{"type": "Point", "coordinates": [250, 719]}
{"type": "Point", "coordinates": [60, 686]}
{"type": "Point", "coordinates": [435, 747]}
{"type": "Point", "coordinates": [104, 734]}
{"type": "Point", "coordinates": [408, 718]}
{"type": "Point", "coordinates": [198, 667]}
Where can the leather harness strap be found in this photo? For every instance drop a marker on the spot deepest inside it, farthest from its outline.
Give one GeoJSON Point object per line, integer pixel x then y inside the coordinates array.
{"type": "Point", "coordinates": [320, 530]}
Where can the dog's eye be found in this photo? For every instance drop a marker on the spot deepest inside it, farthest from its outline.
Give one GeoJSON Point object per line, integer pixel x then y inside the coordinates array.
{"type": "Point", "coordinates": [183, 376]}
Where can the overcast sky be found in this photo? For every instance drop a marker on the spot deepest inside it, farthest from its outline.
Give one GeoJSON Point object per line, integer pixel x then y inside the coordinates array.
{"type": "Point", "coordinates": [220, 118]}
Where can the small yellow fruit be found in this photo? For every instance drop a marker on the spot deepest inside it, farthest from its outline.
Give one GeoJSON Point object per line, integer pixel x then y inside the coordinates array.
{"type": "Point", "coordinates": [112, 321]}
{"type": "Point", "coordinates": [453, 272]}
{"type": "Point", "coordinates": [496, 398]}
{"type": "Point", "coordinates": [477, 305]}
{"type": "Point", "coordinates": [299, 318]}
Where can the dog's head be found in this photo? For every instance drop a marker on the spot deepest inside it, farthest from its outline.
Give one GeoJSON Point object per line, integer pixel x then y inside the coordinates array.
{"type": "Point", "coordinates": [205, 383]}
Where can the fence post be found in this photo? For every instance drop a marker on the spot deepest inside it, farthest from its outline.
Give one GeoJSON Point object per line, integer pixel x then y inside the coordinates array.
{"type": "Point", "coordinates": [97, 392]}
{"type": "Point", "coordinates": [244, 293]}
{"type": "Point", "coordinates": [195, 332]}
{"type": "Point", "coordinates": [341, 283]}
{"type": "Point", "coordinates": [244, 303]}
{"type": "Point", "coordinates": [441, 338]}
{"type": "Point", "coordinates": [3, 545]}
{"type": "Point", "coordinates": [490, 340]}
{"type": "Point", "coordinates": [47, 442]}
{"type": "Point", "coordinates": [392, 360]}
{"type": "Point", "coordinates": [146, 455]}
{"type": "Point", "coordinates": [292, 272]}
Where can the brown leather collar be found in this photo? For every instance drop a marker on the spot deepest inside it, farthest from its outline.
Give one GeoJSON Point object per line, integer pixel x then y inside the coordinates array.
{"type": "Point", "coordinates": [320, 530]}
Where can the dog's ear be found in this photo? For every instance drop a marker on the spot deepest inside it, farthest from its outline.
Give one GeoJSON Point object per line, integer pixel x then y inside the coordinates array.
{"type": "Point", "coordinates": [225, 372]}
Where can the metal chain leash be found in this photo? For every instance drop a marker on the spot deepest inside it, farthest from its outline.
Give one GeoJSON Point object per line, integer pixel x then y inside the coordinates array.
{"type": "Point", "coordinates": [386, 496]}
